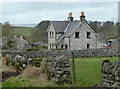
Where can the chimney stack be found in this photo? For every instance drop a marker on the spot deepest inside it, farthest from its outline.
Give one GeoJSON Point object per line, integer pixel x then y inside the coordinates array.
{"type": "Point", "coordinates": [70, 18]}
{"type": "Point", "coordinates": [82, 16]}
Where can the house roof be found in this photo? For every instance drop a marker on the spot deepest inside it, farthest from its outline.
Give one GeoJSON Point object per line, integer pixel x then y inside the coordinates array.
{"type": "Point", "coordinates": [69, 29]}
{"type": "Point", "coordinates": [59, 26]}
{"type": "Point", "coordinates": [72, 26]}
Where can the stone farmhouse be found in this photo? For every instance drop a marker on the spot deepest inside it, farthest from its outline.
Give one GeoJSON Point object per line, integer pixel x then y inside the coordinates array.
{"type": "Point", "coordinates": [72, 34]}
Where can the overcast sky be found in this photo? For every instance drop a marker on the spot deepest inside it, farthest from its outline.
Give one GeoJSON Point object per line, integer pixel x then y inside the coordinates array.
{"type": "Point", "coordinates": [35, 12]}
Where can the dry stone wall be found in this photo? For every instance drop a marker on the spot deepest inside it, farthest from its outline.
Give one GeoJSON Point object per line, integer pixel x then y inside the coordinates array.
{"type": "Point", "coordinates": [78, 53]}
{"type": "Point", "coordinates": [58, 69]}
{"type": "Point", "coordinates": [110, 74]}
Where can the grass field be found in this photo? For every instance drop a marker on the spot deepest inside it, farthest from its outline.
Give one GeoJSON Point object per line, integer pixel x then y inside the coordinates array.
{"type": "Point", "coordinates": [88, 71]}
{"type": "Point", "coordinates": [87, 75]}
{"type": "Point", "coordinates": [24, 31]}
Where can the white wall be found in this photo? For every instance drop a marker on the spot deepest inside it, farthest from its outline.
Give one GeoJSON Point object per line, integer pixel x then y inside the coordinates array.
{"type": "Point", "coordinates": [51, 40]}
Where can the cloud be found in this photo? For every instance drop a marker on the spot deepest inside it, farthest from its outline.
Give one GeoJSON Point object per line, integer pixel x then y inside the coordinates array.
{"type": "Point", "coordinates": [34, 12]}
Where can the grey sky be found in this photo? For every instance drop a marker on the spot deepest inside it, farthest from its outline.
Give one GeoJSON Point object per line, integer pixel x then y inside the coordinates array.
{"type": "Point", "coordinates": [34, 12]}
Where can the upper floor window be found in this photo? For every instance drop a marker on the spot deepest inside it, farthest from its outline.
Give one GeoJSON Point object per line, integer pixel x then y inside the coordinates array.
{"type": "Point", "coordinates": [51, 34]}
{"type": "Point", "coordinates": [89, 35]}
{"type": "Point", "coordinates": [76, 35]}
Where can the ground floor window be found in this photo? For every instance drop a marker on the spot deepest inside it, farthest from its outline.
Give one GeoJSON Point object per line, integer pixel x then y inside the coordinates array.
{"type": "Point", "coordinates": [56, 46]}
{"type": "Point", "coordinates": [66, 46]}
{"type": "Point", "coordinates": [50, 46]}
{"type": "Point", "coordinates": [88, 46]}
{"type": "Point", "coordinates": [61, 46]}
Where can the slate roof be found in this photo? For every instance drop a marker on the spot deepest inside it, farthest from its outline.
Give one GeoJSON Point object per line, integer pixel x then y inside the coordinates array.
{"type": "Point", "coordinates": [59, 26]}
{"type": "Point", "coordinates": [69, 29]}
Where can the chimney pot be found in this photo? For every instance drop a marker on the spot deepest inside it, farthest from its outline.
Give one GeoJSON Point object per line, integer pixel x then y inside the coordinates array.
{"type": "Point", "coordinates": [82, 13]}
{"type": "Point", "coordinates": [82, 16]}
{"type": "Point", "coordinates": [70, 14]}
{"type": "Point", "coordinates": [70, 18]}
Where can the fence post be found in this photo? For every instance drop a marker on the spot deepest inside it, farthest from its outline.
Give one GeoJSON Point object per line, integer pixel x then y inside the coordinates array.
{"type": "Point", "coordinates": [73, 68]}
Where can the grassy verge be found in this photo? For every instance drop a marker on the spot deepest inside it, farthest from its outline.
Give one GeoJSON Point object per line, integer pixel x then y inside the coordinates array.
{"type": "Point", "coordinates": [87, 75]}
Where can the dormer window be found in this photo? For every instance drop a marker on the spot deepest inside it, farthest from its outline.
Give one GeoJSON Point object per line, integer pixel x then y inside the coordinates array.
{"type": "Point", "coordinates": [76, 35]}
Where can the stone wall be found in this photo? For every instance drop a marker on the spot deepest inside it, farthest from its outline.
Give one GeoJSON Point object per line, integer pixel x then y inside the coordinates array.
{"type": "Point", "coordinates": [58, 69]}
{"type": "Point", "coordinates": [110, 74]}
{"type": "Point", "coordinates": [78, 53]}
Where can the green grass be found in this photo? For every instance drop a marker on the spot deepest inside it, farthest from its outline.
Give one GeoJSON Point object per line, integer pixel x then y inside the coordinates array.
{"type": "Point", "coordinates": [0, 85]}
{"type": "Point", "coordinates": [24, 31]}
{"type": "Point", "coordinates": [19, 81]}
{"type": "Point", "coordinates": [88, 71]}
{"type": "Point", "coordinates": [87, 75]}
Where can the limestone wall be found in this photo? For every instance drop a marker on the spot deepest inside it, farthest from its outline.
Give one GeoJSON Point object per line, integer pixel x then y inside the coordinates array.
{"type": "Point", "coordinates": [110, 74]}
{"type": "Point", "coordinates": [78, 53]}
{"type": "Point", "coordinates": [58, 69]}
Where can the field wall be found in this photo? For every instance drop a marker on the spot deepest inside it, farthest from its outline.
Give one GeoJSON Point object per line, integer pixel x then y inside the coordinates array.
{"type": "Point", "coordinates": [110, 74]}
{"type": "Point", "coordinates": [77, 53]}
{"type": "Point", "coordinates": [57, 69]}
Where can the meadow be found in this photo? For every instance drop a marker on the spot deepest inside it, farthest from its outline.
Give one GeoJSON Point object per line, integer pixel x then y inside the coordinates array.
{"type": "Point", "coordinates": [87, 75]}
{"type": "Point", "coordinates": [24, 31]}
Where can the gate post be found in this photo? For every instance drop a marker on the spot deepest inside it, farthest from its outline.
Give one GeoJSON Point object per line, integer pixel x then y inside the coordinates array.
{"type": "Point", "coordinates": [73, 68]}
